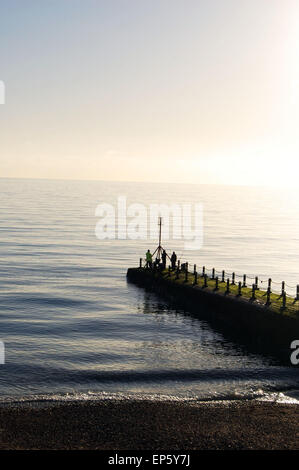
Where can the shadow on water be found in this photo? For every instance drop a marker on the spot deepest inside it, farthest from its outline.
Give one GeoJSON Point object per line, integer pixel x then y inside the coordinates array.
{"type": "Point", "coordinates": [239, 339]}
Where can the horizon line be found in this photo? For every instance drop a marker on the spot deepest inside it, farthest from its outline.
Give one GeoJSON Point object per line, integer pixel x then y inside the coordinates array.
{"type": "Point", "coordinates": [145, 182]}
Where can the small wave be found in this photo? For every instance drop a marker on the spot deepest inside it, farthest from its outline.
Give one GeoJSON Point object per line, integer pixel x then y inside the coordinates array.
{"type": "Point", "coordinates": [290, 397]}
{"type": "Point", "coordinates": [45, 300]}
{"type": "Point", "coordinates": [206, 375]}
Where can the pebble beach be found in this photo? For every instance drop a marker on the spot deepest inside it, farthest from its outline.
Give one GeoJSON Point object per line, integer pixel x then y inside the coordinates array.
{"type": "Point", "coordinates": [148, 425]}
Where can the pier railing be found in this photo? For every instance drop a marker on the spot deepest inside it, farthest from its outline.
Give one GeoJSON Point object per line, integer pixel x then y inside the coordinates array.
{"type": "Point", "coordinates": [278, 295]}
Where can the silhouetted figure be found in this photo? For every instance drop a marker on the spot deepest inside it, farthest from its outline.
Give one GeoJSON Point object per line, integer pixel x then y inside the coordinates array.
{"type": "Point", "coordinates": [164, 255]}
{"type": "Point", "coordinates": [149, 259]}
{"type": "Point", "coordinates": [173, 260]}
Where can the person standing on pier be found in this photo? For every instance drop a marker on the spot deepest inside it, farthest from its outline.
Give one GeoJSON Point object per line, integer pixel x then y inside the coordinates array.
{"type": "Point", "coordinates": [173, 260]}
{"type": "Point", "coordinates": [149, 259]}
{"type": "Point", "coordinates": [164, 259]}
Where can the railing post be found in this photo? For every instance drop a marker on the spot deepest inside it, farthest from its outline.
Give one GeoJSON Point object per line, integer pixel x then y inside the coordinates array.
{"type": "Point", "coordinates": [217, 283]}
{"type": "Point", "coordinates": [203, 271]}
{"type": "Point", "coordinates": [253, 292]}
{"type": "Point", "coordinates": [213, 273]}
{"type": "Point", "coordinates": [240, 288]}
{"type": "Point", "coordinates": [195, 278]}
{"type": "Point", "coordinates": [297, 292]}
{"type": "Point", "coordinates": [269, 284]}
{"type": "Point", "coordinates": [256, 283]}
{"type": "Point", "coordinates": [140, 262]}
{"type": "Point", "coordinates": [284, 301]}
{"type": "Point", "coordinates": [223, 274]}
{"type": "Point", "coordinates": [233, 278]}
{"type": "Point", "coordinates": [186, 272]}
{"type": "Point", "coordinates": [205, 281]}
{"type": "Point", "coordinates": [227, 286]}
{"type": "Point", "coordinates": [268, 301]}
{"type": "Point", "coordinates": [194, 269]}
{"type": "Point", "coordinates": [244, 280]}
{"type": "Point", "coordinates": [283, 288]}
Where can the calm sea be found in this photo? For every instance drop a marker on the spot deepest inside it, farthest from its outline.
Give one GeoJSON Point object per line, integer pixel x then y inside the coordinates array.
{"type": "Point", "coordinates": [73, 326]}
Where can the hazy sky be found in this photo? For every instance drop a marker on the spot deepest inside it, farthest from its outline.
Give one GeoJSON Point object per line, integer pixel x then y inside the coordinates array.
{"type": "Point", "coordinates": [199, 91]}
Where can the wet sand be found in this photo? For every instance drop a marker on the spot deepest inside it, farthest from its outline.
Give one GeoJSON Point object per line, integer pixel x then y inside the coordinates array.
{"type": "Point", "coordinates": [150, 425]}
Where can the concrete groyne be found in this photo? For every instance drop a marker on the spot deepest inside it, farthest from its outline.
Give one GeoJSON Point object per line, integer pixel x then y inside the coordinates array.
{"type": "Point", "coordinates": [247, 317]}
